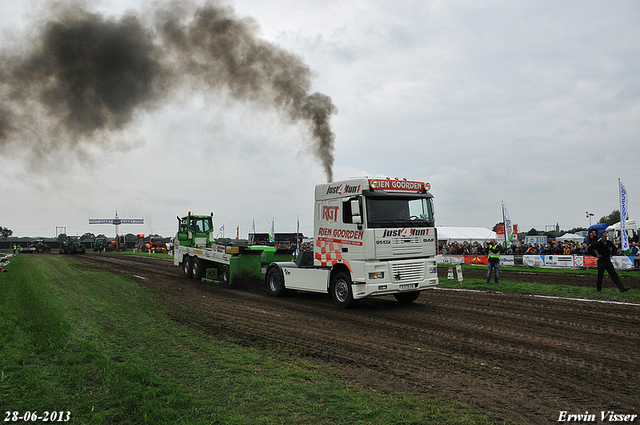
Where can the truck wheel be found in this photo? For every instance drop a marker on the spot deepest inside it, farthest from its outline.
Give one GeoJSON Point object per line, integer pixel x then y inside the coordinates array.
{"type": "Point", "coordinates": [186, 266]}
{"type": "Point", "coordinates": [275, 282]}
{"type": "Point", "coordinates": [197, 269]}
{"type": "Point", "coordinates": [407, 297]}
{"type": "Point", "coordinates": [341, 290]}
{"type": "Point", "coordinates": [224, 275]}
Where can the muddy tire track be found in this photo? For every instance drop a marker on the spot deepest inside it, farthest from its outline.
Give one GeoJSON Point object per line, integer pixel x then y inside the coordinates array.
{"type": "Point", "coordinates": [522, 357]}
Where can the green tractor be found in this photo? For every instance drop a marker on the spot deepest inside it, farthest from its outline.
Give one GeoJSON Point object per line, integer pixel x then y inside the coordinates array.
{"type": "Point", "coordinates": [37, 246]}
{"type": "Point", "coordinates": [72, 245]}
{"type": "Point", "coordinates": [100, 245]}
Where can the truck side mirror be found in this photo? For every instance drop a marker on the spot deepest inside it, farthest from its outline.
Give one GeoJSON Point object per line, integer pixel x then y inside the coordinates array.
{"type": "Point", "coordinates": [356, 215]}
{"type": "Point", "coordinates": [355, 208]}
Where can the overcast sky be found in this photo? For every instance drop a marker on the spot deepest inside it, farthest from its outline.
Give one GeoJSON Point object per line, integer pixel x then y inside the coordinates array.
{"type": "Point", "coordinates": [533, 103]}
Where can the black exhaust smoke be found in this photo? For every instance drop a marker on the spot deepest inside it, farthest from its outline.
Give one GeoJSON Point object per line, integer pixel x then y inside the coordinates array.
{"type": "Point", "coordinates": [84, 76]}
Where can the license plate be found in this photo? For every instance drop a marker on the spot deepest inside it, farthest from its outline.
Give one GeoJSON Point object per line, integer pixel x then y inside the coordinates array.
{"type": "Point", "coordinates": [409, 286]}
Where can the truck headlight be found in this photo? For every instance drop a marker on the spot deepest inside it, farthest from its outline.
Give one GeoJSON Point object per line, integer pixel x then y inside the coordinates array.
{"type": "Point", "coordinates": [376, 275]}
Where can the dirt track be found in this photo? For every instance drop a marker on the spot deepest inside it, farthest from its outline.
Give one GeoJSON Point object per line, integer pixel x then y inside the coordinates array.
{"type": "Point", "coordinates": [524, 358]}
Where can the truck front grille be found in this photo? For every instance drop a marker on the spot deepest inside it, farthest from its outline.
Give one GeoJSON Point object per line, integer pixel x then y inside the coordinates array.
{"type": "Point", "coordinates": [402, 247]}
{"type": "Point", "coordinates": [408, 271]}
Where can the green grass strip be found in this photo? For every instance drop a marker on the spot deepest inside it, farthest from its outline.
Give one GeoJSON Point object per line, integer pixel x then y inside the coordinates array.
{"type": "Point", "coordinates": [609, 292]}
{"type": "Point", "coordinates": [104, 348]}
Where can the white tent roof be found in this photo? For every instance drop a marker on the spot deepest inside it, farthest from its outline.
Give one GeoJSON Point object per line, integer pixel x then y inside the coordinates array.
{"type": "Point", "coordinates": [571, 237]}
{"type": "Point", "coordinates": [465, 234]}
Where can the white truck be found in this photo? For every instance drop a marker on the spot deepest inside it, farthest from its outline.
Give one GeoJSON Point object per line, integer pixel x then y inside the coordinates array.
{"type": "Point", "coordinates": [615, 231]}
{"type": "Point", "coordinates": [371, 237]}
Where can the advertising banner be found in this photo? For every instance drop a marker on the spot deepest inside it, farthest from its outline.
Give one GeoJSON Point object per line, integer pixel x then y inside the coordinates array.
{"type": "Point", "coordinates": [450, 259]}
{"type": "Point", "coordinates": [589, 262]}
{"type": "Point", "coordinates": [541, 261]}
{"type": "Point", "coordinates": [476, 259]}
{"type": "Point", "coordinates": [622, 263]}
{"type": "Point", "coordinates": [623, 216]}
{"type": "Point", "coordinates": [533, 260]}
{"type": "Point", "coordinates": [507, 260]}
{"type": "Point", "coordinates": [559, 260]}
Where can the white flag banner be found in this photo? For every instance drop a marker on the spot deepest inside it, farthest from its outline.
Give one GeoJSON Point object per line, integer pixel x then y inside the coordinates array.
{"type": "Point", "coordinates": [623, 216]}
{"type": "Point", "coordinates": [508, 226]}
{"type": "Point", "coordinates": [272, 233]}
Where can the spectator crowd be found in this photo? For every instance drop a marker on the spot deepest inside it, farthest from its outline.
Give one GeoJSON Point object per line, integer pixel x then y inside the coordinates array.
{"type": "Point", "coordinates": [520, 248]}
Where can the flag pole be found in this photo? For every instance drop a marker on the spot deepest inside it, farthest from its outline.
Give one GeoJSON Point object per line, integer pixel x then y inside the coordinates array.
{"type": "Point", "coordinates": [297, 236]}
{"type": "Point", "coordinates": [504, 223]}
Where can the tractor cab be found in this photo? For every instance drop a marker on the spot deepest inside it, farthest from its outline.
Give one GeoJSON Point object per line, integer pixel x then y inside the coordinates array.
{"type": "Point", "coordinates": [195, 230]}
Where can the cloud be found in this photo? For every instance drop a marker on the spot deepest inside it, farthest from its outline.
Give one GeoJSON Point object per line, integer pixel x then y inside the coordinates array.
{"type": "Point", "coordinates": [85, 75]}
{"type": "Point", "coordinates": [532, 103]}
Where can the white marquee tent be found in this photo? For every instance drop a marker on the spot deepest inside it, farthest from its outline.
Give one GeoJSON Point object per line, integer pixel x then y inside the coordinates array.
{"type": "Point", "coordinates": [571, 237]}
{"type": "Point", "coordinates": [465, 234]}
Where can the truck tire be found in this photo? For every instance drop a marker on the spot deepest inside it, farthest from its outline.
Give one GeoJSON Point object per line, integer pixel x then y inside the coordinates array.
{"type": "Point", "coordinates": [186, 266]}
{"type": "Point", "coordinates": [224, 275]}
{"type": "Point", "coordinates": [407, 297]}
{"type": "Point", "coordinates": [275, 282]}
{"type": "Point", "coordinates": [197, 268]}
{"type": "Point", "coordinates": [341, 290]}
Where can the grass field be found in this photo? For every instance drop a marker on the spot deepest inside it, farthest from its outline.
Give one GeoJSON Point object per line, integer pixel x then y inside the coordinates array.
{"type": "Point", "coordinates": [609, 292]}
{"type": "Point", "coordinates": [97, 348]}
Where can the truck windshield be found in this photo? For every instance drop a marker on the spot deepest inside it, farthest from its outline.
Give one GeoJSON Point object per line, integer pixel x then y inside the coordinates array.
{"type": "Point", "coordinates": [201, 224]}
{"type": "Point", "coordinates": [399, 211]}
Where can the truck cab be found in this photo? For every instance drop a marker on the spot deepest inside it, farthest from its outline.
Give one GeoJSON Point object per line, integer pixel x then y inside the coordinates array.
{"type": "Point", "coordinates": [195, 230]}
{"type": "Point", "coordinates": [372, 237]}
{"type": "Point", "coordinates": [594, 232]}
{"type": "Point", "coordinates": [615, 231]}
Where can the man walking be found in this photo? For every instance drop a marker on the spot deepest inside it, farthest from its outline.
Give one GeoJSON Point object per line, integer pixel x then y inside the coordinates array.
{"type": "Point", "coordinates": [493, 260]}
{"type": "Point", "coordinates": [603, 250]}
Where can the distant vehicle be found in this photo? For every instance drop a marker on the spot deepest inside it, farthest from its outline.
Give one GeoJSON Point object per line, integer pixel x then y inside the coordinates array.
{"type": "Point", "coordinates": [117, 245]}
{"type": "Point", "coordinates": [37, 246]}
{"type": "Point", "coordinates": [100, 244]}
{"type": "Point", "coordinates": [630, 227]}
{"type": "Point", "coordinates": [594, 232]}
{"type": "Point", "coordinates": [614, 232]}
{"type": "Point", "coordinates": [152, 244]}
{"type": "Point", "coordinates": [72, 245]}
